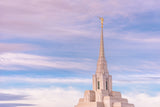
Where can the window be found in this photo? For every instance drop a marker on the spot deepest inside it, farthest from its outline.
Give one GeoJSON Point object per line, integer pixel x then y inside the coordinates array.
{"type": "Point", "coordinates": [106, 85]}
{"type": "Point", "coordinates": [98, 85]}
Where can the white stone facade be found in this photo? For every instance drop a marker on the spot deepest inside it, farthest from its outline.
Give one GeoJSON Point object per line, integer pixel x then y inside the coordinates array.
{"type": "Point", "coordinates": [102, 94]}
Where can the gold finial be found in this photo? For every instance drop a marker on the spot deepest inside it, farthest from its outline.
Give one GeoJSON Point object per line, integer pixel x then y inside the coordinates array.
{"type": "Point", "coordinates": [101, 18]}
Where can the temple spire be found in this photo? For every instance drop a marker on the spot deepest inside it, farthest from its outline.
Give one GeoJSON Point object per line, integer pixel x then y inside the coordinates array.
{"type": "Point", "coordinates": [101, 53]}
{"type": "Point", "coordinates": [101, 64]}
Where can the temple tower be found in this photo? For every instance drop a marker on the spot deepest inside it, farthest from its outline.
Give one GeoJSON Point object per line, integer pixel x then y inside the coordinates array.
{"type": "Point", "coordinates": [102, 94]}
{"type": "Point", "coordinates": [102, 81]}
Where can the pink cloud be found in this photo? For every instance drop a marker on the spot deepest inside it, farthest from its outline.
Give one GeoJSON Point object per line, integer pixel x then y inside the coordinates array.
{"type": "Point", "coordinates": [63, 18]}
{"type": "Point", "coordinates": [21, 60]}
{"type": "Point", "coordinates": [14, 47]}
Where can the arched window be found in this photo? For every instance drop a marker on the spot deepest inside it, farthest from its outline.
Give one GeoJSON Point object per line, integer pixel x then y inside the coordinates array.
{"type": "Point", "coordinates": [106, 85]}
{"type": "Point", "coordinates": [98, 85]}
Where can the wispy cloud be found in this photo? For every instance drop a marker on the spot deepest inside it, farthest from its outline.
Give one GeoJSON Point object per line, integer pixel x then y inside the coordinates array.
{"type": "Point", "coordinates": [15, 105]}
{"type": "Point", "coordinates": [19, 79]}
{"type": "Point", "coordinates": [11, 97]}
{"type": "Point", "coordinates": [143, 72]}
{"type": "Point", "coordinates": [141, 66]}
{"type": "Point", "coordinates": [7, 99]}
{"type": "Point", "coordinates": [143, 99]}
{"type": "Point", "coordinates": [51, 96]}
{"type": "Point", "coordinates": [21, 60]}
{"type": "Point", "coordinates": [140, 37]}
{"type": "Point", "coordinates": [47, 19]}
{"type": "Point", "coordinates": [54, 96]}
{"type": "Point", "coordinates": [16, 47]}
{"type": "Point", "coordinates": [137, 79]}
{"type": "Point", "coordinates": [118, 79]}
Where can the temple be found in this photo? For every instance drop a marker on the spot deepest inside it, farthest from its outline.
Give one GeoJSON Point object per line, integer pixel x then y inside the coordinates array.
{"type": "Point", "coordinates": [102, 94]}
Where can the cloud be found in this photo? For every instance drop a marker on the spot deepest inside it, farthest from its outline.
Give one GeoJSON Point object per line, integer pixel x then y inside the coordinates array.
{"type": "Point", "coordinates": [48, 19]}
{"type": "Point", "coordinates": [143, 99]}
{"type": "Point", "coordinates": [6, 98]}
{"type": "Point", "coordinates": [15, 105]}
{"type": "Point", "coordinates": [137, 66]}
{"type": "Point", "coordinates": [14, 47]}
{"type": "Point", "coordinates": [138, 37]}
{"type": "Point", "coordinates": [125, 79]}
{"type": "Point", "coordinates": [11, 97]}
{"type": "Point", "coordinates": [21, 60]}
{"type": "Point", "coordinates": [143, 72]}
{"type": "Point", "coordinates": [53, 97]}
{"type": "Point", "coordinates": [136, 72]}
{"type": "Point", "coordinates": [23, 79]}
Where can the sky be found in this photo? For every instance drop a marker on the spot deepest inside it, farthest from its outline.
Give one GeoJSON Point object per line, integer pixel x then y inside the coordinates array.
{"type": "Point", "coordinates": [49, 50]}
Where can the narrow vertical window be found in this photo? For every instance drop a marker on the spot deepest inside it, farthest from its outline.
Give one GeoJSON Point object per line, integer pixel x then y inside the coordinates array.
{"type": "Point", "coordinates": [106, 85]}
{"type": "Point", "coordinates": [98, 85]}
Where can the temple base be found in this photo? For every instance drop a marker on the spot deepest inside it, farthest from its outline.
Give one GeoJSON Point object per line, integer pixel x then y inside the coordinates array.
{"type": "Point", "coordinates": [113, 100]}
{"type": "Point", "coordinates": [90, 104]}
